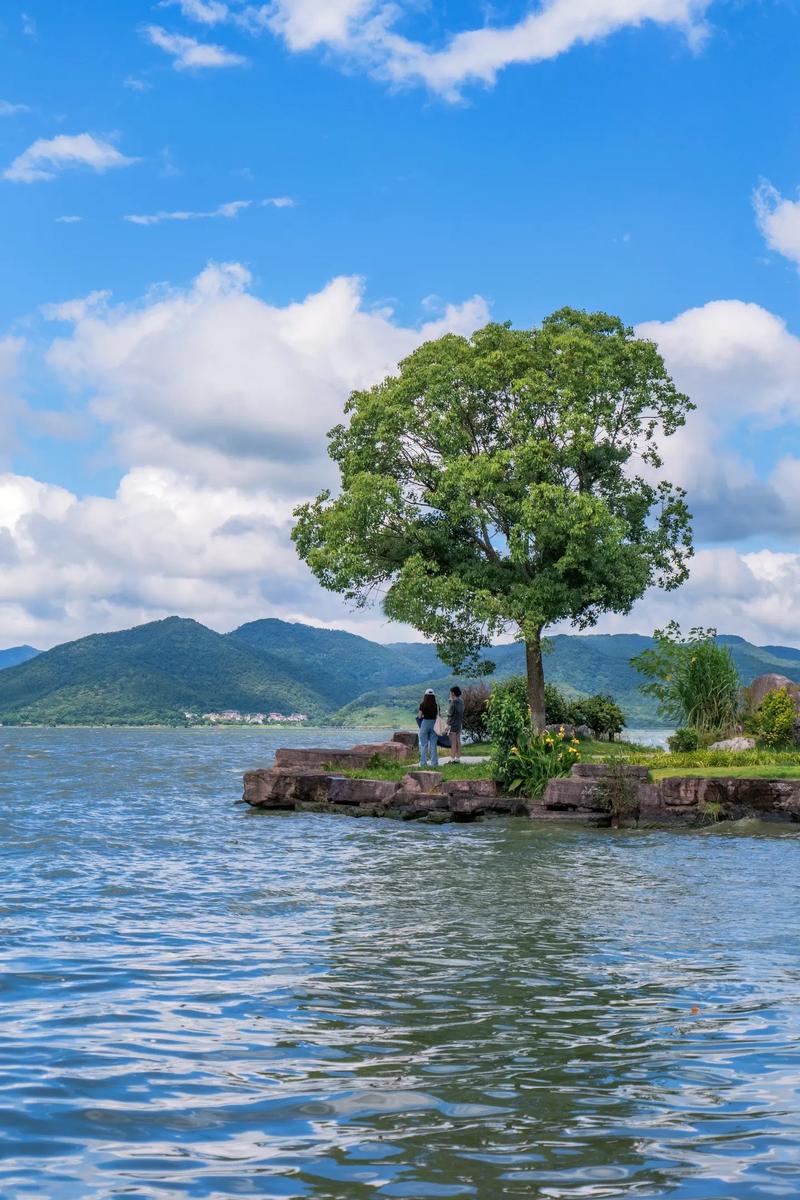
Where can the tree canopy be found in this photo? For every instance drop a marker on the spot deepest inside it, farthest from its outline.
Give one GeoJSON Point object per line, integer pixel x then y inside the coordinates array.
{"type": "Point", "coordinates": [504, 482]}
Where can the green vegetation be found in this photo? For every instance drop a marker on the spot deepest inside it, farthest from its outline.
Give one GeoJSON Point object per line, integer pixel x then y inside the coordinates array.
{"type": "Point", "coordinates": [693, 679]}
{"type": "Point", "coordinates": [774, 772]}
{"type": "Point", "coordinates": [774, 721]}
{"type": "Point", "coordinates": [151, 674]}
{"type": "Point", "coordinates": [397, 771]}
{"type": "Point", "coordinates": [15, 655]}
{"type": "Point", "coordinates": [147, 675]}
{"type": "Point", "coordinates": [619, 793]}
{"type": "Point", "coordinates": [487, 488]}
{"type": "Point", "coordinates": [535, 760]}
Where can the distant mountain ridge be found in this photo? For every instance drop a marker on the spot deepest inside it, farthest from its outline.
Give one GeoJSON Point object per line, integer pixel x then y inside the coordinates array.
{"type": "Point", "coordinates": [15, 655]}
{"type": "Point", "coordinates": [155, 673]}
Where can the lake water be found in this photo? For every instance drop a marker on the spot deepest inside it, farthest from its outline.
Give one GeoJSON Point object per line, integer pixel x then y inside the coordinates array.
{"type": "Point", "coordinates": [199, 1000]}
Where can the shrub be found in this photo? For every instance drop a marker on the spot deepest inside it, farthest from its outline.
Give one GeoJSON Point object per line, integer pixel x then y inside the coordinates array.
{"type": "Point", "coordinates": [536, 760]}
{"type": "Point", "coordinates": [684, 739]}
{"type": "Point", "coordinates": [775, 719]}
{"type": "Point", "coordinates": [508, 720]}
{"type": "Point", "coordinates": [476, 715]}
{"type": "Point", "coordinates": [694, 679]}
{"type": "Point", "coordinates": [601, 713]}
{"type": "Point", "coordinates": [619, 793]}
{"type": "Point", "coordinates": [556, 707]}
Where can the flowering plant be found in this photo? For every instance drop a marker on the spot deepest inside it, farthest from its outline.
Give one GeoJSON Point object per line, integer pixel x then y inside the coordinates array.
{"type": "Point", "coordinates": [538, 758]}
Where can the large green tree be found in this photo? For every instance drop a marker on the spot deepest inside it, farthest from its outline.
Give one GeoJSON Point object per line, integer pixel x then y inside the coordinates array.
{"type": "Point", "coordinates": [504, 482]}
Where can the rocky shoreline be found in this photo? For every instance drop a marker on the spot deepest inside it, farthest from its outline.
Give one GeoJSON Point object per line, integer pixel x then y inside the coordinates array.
{"type": "Point", "coordinates": [593, 794]}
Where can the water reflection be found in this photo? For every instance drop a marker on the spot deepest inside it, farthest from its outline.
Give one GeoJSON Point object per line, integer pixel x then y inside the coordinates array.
{"type": "Point", "coordinates": [200, 1000]}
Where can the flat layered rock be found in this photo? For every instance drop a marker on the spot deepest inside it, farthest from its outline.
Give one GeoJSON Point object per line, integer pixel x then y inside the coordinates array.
{"type": "Point", "coordinates": [422, 781]}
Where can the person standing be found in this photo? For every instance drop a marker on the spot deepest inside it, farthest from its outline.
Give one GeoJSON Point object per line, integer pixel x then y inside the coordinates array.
{"type": "Point", "coordinates": [455, 723]}
{"type": "Point", "coordinates": [426, 718]}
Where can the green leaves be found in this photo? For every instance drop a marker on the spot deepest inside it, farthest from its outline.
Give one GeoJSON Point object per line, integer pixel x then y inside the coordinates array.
{"type": "Point", "coordinates": [694, 679]}
{"type": "Point", "coordinates": [491, 485]}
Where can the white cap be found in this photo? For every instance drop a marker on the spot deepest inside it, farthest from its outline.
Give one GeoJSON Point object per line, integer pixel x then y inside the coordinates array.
{"type": "Point", "coordinates": [430, 692]}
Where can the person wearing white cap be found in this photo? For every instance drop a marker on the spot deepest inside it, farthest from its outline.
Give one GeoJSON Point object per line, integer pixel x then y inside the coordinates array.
{"type": "Point", "coordinates": [426, 717]}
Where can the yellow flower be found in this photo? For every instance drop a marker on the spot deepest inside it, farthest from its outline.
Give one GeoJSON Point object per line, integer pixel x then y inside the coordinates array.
{"type": "Point", "coordinates": [514, 750]}
{"type": "Point", "coordinates": [575, 742]}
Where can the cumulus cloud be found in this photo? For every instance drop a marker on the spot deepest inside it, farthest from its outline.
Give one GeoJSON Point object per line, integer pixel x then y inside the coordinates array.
{"type": "Point", "coordinates": [189, 54]}
{"type": "Point", "coordinates": [46, 158]}
{"type": "Point", "coordinates": [217, 402]}
{"type": "Point", "coordinates": [214, 378]}
{"type": "Point", "coordinates": [779, 221]}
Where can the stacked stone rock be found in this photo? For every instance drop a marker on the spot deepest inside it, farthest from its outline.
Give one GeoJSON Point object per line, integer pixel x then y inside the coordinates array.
{"type": "Point", "coordinates": [307, 781]}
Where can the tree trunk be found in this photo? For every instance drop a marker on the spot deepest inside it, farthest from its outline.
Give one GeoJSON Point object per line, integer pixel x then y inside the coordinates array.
{"type": "Point", "coordinates": [533, 664]}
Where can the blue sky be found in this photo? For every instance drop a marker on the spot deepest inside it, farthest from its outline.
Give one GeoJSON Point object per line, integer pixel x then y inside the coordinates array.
{"type": "Point", "coordinates": [349, 179]}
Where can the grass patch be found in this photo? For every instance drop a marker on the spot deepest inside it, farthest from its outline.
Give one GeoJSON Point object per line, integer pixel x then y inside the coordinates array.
{"type": "Point", "coordinates": [773, 772]}
{"type": "Point", "coordinates": [396, 771]}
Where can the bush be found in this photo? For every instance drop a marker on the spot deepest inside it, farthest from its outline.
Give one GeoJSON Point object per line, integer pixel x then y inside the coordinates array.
{"type": "Point", "coordinates": [601, 713]}
{"type": "Point", "coordinates": [619, 793]}
{"type": "Point", "coordinates": [536, 760]}
{"type": "Point", "coordinates": [694, 679]}
{"type": "Point", "coordinates": [508, 721]}
{"type": "Point", "coordinates": [683, 739]}
{"type": "Point", "coordinates": [775, 719]}
{"type": "Point", "coordinates": [476, 715]}
{"type": "Point", "coordinates": [556, 708]}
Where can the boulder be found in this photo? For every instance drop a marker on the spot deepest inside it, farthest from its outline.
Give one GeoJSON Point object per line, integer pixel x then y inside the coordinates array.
{"type": "Point", "coordinates": [570, 731]}
{"type": "Point", "coordinates": [598, 770]}
{"type": "Point", "coordinates": [369, 792]}
{"type": "Point", "coordinates": [584, 732]}
{"type": "Point", "coordinates": [406, 738]}
{"type": "Point", "coordinates": [765, 684]}
{"type": "Point", "coordinates": [394, 751]}
{"type": "Point", "coordinates": [314, 759]}
{"type": "Point", "coordinates": [734, 743]}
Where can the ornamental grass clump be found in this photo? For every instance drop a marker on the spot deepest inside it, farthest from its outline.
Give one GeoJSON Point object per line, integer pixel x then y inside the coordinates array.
{"type": "Point", "coordinates": [694, 680]}
{"type": "Point", "coordinates": [537, 759]}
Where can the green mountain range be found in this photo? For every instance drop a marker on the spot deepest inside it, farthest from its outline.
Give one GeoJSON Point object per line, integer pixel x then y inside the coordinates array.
{"type": "Point", "coordinates": [15, 655]}
{"type": "Point", "coordinates": [156, 673]}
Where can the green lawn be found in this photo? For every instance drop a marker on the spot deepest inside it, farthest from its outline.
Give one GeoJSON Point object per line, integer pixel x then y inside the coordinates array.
{"type": "Point", "coordinates": [396, 771]}
{"type": "Point", "coordinates": [770, 772]}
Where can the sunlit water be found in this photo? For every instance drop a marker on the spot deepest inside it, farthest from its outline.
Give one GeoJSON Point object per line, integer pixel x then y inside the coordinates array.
{"type": "Point", "coordinates": [199, 1000]}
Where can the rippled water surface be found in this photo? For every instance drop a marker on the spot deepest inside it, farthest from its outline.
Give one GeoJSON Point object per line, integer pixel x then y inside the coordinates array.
{"type": "Point", "coordinates": [198, 1000]}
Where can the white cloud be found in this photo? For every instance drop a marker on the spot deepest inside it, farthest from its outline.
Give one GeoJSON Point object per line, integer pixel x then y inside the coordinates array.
{"type": "Point", "coordinates": [216, 381]}
{"type": "Point", "coordinates": [278, 202]}
{"type": "Point", "coordinates": [207, 12]}
{"type": "Point", "coordinates": [134, 84]}
{"type": "Point", "coordinates": [231, 209]}
{"type": "Point", "coordinates": [68, 220]}
{"type": "Point", "coordinates": [189, 54]}
{"type": "Point", "coordinates": [366, 29]}
{"type": "Point", "coordinates": [28, 25]}
{"type": "Point", "coordinates": [217, 403]}
{"type": "Point", "coordinates": [741, 366]}
{"type": "Point", "coordinates": [779, 221]}
{"type": "Point", "coordinates": [7, 109]}
{"type": "Point", "coordinates": [45, 158]}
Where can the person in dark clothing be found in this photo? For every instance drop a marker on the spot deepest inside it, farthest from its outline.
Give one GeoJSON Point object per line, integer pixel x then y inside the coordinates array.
{"type": "Point", "coordinates": [455, 723]}
{"type": "Point", "coordinates": [426, 717]}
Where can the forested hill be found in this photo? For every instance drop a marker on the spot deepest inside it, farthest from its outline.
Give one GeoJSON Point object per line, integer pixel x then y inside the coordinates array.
{"type": "Point", "coordinates": [15, 655]}
{"type": "Point", "coordinates": [156, 672]}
